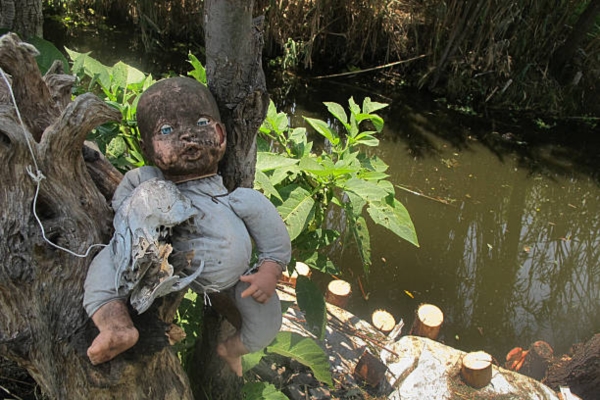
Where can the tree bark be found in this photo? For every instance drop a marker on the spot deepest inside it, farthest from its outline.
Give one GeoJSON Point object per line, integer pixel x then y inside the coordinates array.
{"type": "Point", "coordinates": [22, 16]}
{"type": "Point", "coordinates": [235, 76]}
{"type": "Point", "coordinates": [43, 326]}
{"type": "Point", "coordinates": [236, 79]}
{"type": "Point", "coordinates": [565, 53]}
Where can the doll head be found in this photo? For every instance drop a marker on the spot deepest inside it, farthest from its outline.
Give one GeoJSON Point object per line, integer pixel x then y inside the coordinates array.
{"type": "Point", "coordinates": [181, 129]}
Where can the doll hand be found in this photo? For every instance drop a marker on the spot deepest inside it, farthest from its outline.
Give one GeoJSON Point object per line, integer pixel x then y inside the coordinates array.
{"type": "Point", "coordinates": [263, 282]}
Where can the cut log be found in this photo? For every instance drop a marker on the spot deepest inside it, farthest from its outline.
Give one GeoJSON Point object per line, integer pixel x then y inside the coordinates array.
{"type": "Point", "coordinates": [536, 361]}
{"type": "Point", "coordinates": [383, 320]}
{"type": "Point", "coordinates": [428, 321]}
{"type": "Point", "coordinates": [370, 369]}
{"type": "Point", "coordinates": [338, 293]}
{"type": "Point", "coordinates": [300, 269]}
{"type": "Point", "coordinates": [476, 369]}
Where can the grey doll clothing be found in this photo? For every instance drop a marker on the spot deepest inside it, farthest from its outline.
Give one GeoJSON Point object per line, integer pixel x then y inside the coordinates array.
{"type": "Point", "coordinates": [220, 236]}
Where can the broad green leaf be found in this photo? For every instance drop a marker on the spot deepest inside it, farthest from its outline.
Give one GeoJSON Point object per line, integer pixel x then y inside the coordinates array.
{"type": "Point", "coordinates": [337, 111]}
{"type": "Point", "coordinates": [373, 175]}
{"type": "Point", "coordinates": [374, 163]}
{"type": "Point", "coordinates": [262, 391]}
{"type": "Point", "coordinates": [324, 130]}
{"type": "Point", "coordinates": [91, 67]}
{"type": "Point", "coordinates": [311, 301]}
{"type": "Point", "coordinates": [374, 118]}
{"type": "Point", "coordinates": [262, 182]}
{"type": "Point", "coordinates": [304, 350]}
{"type": "Point", "coordinates": [354, 108]}
{"type": "Point", "coordinates": [297, 211]}
{"type": "Point", "coordinates": [371, 106]}
{"type": "Point", "coordinates": [251, 360]}
{"type": "Point", "coordinates": [48, 54]}
{"type": "Point", "coordinates": [360, 232]}
{"type": "Point", "coordinates": [270, 161]}
{"type": "Point", "coordinates": [368, 190]}
{"type": "Point", "coordinates": [394, 217]}
{"type": "Point", "coordinates": [125, 75]}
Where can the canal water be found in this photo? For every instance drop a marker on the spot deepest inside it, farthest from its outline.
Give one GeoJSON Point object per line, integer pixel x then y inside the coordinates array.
{"type": "Point", "coordinates": [507, 216]}
{"type": "Point", "coordinates": [506, 212]}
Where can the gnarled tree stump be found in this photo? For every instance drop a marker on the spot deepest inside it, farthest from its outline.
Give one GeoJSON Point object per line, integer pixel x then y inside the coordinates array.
{"type": "Point", "coordinates": [43, 326]}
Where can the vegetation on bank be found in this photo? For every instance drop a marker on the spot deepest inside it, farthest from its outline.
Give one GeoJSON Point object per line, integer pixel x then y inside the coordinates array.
{"type": "Point", "coordinates": [541, 56]}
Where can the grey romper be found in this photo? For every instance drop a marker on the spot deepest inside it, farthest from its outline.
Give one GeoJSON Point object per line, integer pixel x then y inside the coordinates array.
{"type": "Point", "coordinates": [221, 236]}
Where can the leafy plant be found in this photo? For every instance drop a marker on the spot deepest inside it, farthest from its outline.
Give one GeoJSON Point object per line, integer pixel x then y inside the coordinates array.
{"type": "Point", "coordinates": [305, 186]}
{"type": "Point", "coordinates": [121, 85]}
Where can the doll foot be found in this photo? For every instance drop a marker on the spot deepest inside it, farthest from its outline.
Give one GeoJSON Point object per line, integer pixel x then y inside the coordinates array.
{"type": "Point", "coordinates": [110, 343]}
{"type": "Point", "coordinates": [230, 353]}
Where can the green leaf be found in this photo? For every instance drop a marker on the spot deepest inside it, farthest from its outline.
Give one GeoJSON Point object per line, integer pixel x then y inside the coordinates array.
{"type": "Point", "coordinates": [311, 301]}
{"type": "Point", "coordinates": [360, 231]}
{"type": "Point", "coordinates": [297, 210]}
{"type": "Point", "coordinates": [324, 130]}
{"type": "Point", "coordinates": [394, 217]}
{"type": "Point", "coordinates": [251, 360]}
{"type": "Point", "coordinates": [262, 391]}
{"type": "Point", "coordinates": [116, 147]}
{"type": "Point", "coordinates": [337, 111]}
{"type": "Point", "coordinates": [305, 351]}
{"type": "Point", "coordinates": [91, 67]}
{"type": "Point", "coordinates": [371, 106]}
{"type": "Point", "coordinates": [368, 190]}
{"type": "Point", "coordinates": [48, 54]}
{"type": "Point", "coordinates": [270, 161]}
{"type": "Point", "coordinates": [198, 72]}
{"type": "Point", "coordinates": [125, 75]}
{"type": "Point", "coordinates": [262, 182]}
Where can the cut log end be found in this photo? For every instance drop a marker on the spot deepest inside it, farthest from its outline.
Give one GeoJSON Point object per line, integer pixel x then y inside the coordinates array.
{"type": "Point", "coordinates": [338, 293]}
{"type": "Point", "coordinates": [300, 269]}
{"type": "Point", "coordinates": [370, 369]}
{"type": "Point", "coordinates": [428, 321]}
{"type": "Point", "coordinates": [476, 369]}
{"type": "Point", "coordinates": [383, 320]}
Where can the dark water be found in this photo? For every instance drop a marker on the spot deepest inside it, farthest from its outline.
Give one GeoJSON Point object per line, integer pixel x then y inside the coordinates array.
{"type": "Point", "coordinates": [507, 217]}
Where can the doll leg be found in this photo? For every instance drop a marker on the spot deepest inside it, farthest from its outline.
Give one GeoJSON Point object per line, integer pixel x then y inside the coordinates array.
{"type": "Point", "coordinates": [117, 332]}
{"type": "Point", "coordinates": [108, 310]}
{"type": "Point", "coordinates": [260, 324]}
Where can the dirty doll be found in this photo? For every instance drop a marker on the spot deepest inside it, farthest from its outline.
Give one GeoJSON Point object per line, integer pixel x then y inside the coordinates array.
{"type": "Point", "coordinates": [183, 137]}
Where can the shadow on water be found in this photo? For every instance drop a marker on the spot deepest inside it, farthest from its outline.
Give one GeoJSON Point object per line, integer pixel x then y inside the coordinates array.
{"type": "Point", "coordinates": [507, 213]}
{"type": "Point", "coordinates": [507, 218]}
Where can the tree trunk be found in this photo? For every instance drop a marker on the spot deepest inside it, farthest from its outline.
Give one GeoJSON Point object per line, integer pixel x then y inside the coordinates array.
{"type": "Point", "coordinates": [236, 79]}
{"type": "Point", "coordinates": [235, 76]}
{"type": "Point", "coordinates": [43, 326]}
{"type": "Point", "coordinates": [22, 16]}
{"type": "Point", "coordinates": [564, 54]}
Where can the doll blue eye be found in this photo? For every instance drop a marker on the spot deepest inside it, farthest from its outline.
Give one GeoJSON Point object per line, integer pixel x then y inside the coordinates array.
{"type": "Point", "coordinates": [203, 121]}
{"type": "Point", "coordinates": [166, 129]}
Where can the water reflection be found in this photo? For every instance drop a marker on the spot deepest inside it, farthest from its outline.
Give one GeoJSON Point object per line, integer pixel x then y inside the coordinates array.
{"type": "Point", "coordinates": [508, 226]}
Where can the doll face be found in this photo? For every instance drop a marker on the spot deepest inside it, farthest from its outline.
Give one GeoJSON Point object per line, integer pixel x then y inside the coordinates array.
{"type": "Point", "coordinates": [181, 129]}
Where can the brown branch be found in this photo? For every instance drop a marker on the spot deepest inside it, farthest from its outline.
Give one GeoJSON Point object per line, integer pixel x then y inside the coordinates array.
{"type": "Point", "coordinates": [33, 97]}
{"type": "Point", "coordinates": [371, 69]}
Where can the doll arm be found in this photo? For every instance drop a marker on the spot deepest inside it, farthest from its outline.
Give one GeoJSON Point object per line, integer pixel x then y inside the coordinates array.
{"type": "Point", "coordinates": [270, 237]}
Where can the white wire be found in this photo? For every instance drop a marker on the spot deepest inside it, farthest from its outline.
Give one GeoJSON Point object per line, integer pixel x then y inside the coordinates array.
{"type": "Point", "coordinates": [38, 177]}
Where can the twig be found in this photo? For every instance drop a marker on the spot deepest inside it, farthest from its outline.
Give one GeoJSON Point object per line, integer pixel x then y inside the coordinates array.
{"type": "Point", "coordinates": [360, 71]}
{"type": "Point", "coordinates": [8, 391]}
{"type": "Point", "coordinates": [446, 202]}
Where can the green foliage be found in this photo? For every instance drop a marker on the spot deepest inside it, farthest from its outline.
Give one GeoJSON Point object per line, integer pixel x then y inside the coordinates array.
{"type": "Point", "coordinates": [304, 350]}
{"type": "Point", "coordinates": [120, 85]}
{"type": "Point", "coordinates": [262, 391]}
{"type": "Point", "coordinates": [305, 186]}
{"type": "Point", "coordinates": [189, 318]}
{"type": "Point", "coordinates": [311, 301]}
